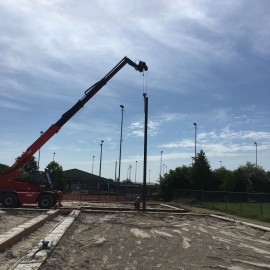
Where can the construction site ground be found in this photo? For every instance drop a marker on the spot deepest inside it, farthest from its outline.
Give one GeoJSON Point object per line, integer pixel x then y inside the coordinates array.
{"type": "Point", "coordinates": [114, 236]}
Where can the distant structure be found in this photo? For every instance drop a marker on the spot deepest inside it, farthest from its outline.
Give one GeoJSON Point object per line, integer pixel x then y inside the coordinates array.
{"type": "Point", "coordinates": [81, 182]}
{"type": "Point", "coordinates": [87, 182]}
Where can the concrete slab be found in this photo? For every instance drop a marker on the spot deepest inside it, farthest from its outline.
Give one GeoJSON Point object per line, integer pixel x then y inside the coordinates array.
{"type": "Point", "coordinates": [263, 228]}
{"type": "Point", "coordinates": [36, 256]}
{"type": "Point", "coordinates": [15, 234]}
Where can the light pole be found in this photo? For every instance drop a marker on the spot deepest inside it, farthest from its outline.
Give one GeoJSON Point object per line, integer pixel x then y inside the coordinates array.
{"type": "Point", "coordinates": [195, 125]}
{"type": "Point", "coordinates": [161, 152]}
{"type": "Point", "coordinates": [256, 145]}
{"type": "Point", "coordinates": [41, 132]}
{"type": "Point", "coordinates": [163, 168]}
{"type": "Point", "coordinates": [115, 171]}
{"type": "Point", "coordinates": [130, 166]}
{"type": "Point", "coordinates": [136, 171]}
{"type": "Point", "coordinates": [101, 144]}
{"type": "Point", "coordinates": [166, 169]}
{"type": "Point", "coordinates": [93, 164]}
{"type": "Point", "coordinates": [53, 156]}
{"type": "Point", "coordinates": [149, 176]}
{"type": "Point", "coordinates": [220, 163]}
{"type": "Point", "coordinates": [119, 171]}
{"type": "Point", "coordinates": [127, 172]}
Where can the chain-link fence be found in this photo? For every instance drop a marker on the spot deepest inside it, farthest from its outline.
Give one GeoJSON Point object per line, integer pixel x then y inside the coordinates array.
{"type": "Point", "coordinates": [244, 203]}
{"type": "Point", "coordinates": [221, 196]}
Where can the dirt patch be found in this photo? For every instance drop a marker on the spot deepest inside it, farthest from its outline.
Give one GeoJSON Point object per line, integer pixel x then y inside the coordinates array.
{"type": "Point", "coordinates": [159, 241]}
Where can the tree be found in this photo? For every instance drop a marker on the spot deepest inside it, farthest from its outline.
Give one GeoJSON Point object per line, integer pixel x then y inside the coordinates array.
{"type": "Point", "coordinates": [202, 177]}
{"type": "Point", "coordinates": [175, 179]}
{"type": "Point", "coordinates": [127, 182]}
{"type": "Point", "coordinates": [241, 181]}
{"type": "Point", "coordinates": [31, 165]}
{"type": "Point", "coordinates": [57, 175]}
{"type": "Point", "coordinates": [224, 179]}
{"type": "Point", "coordinates": [256, 177]}
{"type": "Point", "coordinates": [3, 167]}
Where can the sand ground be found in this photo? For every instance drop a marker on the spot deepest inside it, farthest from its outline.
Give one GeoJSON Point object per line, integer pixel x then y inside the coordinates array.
{"type": "Point", "coordinates": [139, 240]}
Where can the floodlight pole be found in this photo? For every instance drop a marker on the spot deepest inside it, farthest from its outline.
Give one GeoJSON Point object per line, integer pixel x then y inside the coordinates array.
{"type": "Point", "coordinates": [93, 164]}
{"type": "Point", "coordinates": [41, 132]}
{"type": "Point", "coordinates": [161, 152]}
{"type": "Point", "coordinates": [136, 171]}
{"type": "Point", "coordinates": [100, 160]}
{"type": "Point", "coordinates": [120, 150]}
{"type": "Point", "coordinates": [256, 145]}
{"type": "Point", "coordinates": [195, 154]}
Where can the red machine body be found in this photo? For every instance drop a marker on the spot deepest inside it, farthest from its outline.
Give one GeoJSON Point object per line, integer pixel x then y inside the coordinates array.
{"type": "Point", "coordinates": [38, 188]}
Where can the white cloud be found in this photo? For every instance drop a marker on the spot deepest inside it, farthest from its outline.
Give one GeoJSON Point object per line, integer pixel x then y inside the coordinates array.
{"type": "Point", "coordinates": [13, 105]}
{"type": "Point", "coordinates": [204, 58]}
{"type": "Point", "coordinates": [168, 117]}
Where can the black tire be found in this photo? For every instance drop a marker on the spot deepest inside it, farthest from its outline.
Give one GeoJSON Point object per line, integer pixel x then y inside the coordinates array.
{"type": "Point", "coordinates": [45, 201]}
{"type": "Point", "coordinates": [10, 200]}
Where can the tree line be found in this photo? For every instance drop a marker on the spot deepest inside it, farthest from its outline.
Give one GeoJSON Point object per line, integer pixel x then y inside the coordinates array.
{"type": "Point", "coordinates": [200, 176]}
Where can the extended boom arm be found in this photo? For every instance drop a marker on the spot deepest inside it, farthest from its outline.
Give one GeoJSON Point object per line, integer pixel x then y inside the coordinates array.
{"type": "Point", "coordinates": [88, 94]}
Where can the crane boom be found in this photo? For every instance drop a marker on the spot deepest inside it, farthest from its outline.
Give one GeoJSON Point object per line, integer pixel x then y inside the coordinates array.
{"type": "Point", "coordinates": [53, 129]}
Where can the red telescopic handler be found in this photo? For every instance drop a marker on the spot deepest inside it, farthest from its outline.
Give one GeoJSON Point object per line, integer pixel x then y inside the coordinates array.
{"type": "Point", "coordinates": [38, 187]}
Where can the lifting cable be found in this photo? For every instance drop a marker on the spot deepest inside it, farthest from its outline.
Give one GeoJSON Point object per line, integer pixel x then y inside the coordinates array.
{"type": "Point", "coordinates": [144, 81]}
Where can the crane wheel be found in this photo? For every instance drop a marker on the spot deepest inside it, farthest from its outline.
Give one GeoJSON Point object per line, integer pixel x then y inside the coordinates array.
{"type": "Point", "coordinates": [10, 200]}
{"type": "Point", "coordinates": [45, 202]}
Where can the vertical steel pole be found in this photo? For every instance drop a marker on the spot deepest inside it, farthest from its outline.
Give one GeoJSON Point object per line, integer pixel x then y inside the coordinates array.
{"type": "Point", "coordinates": [136, 171]}
{"type": "Point", "coordinates": [195, 125]}
{"type": "Point", "coordinates": [93, 164]}
{"type": "Point", "coordinates": [161, 152]}
{"type": "Point", "coordinates": [41, 132]}
{"type": "Point", "coordinates": [100, 161]}
{"type": "Point", "coordinates": [256, 152]}
{"type": "Point", "coordinates": [115, 171]}
{"type": "Point", "coordinates": [145, 149]}
{"type": "Point", "coordinates": [120, 151]}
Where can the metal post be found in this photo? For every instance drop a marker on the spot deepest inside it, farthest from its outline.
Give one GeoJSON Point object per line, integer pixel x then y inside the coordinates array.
{"type": "Point", "coordinates": [120, 151]}
{"type": "Point", "coordinates": [145, 148]}
{"type": "Point", "coordinates": [163, 170]}
{"type": "Point", "coordinates": [93, 164]}
{"type": "Point", "coordinates": [41, 132]}
{"type": "Point", "coordinates": [101, 144]}
{"type": "Point", "coordinates": [136, 171]}
{"type": "Point", "coordinates": [115, 173]}
{"type": "Point", "coordinates": [256, 145]}
{"type": "Point", "coordinates": [130, 166]}
{"type": "Point", "coordinates": [195, 125]}
{"type": "Point", "coordinates": [161, 152]}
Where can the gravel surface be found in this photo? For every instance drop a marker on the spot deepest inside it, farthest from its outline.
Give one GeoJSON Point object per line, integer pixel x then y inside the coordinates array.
{"type": "Point", "coordinates": [159, 241]}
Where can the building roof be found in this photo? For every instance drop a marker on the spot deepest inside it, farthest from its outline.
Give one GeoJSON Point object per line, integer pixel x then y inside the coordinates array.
{"type": "Point", "coordinates": [77, 174]}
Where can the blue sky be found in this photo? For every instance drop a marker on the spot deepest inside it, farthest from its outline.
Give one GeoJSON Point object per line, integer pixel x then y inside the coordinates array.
{"type": "Point", "coordinates": [209, 63]}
